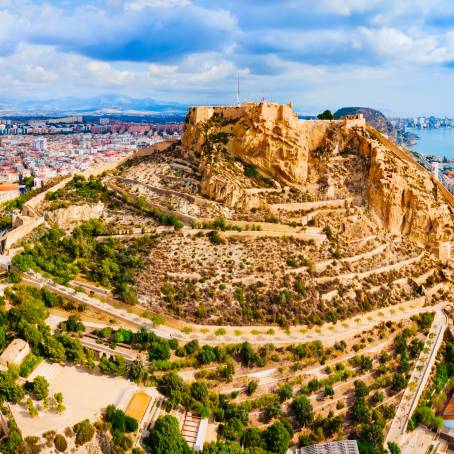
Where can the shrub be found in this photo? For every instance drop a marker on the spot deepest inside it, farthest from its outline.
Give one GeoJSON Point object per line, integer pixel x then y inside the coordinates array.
{"type": "Point", "coordinates": [60, 443]}
{"type": "Point", "coordinates": [84, 432]}
{"type": "Point", "coordinates": [215, 238]}
{"type": "Point", "coordinates": [251, 387]}
{"type": "Point", "coordinates": [29, 364]}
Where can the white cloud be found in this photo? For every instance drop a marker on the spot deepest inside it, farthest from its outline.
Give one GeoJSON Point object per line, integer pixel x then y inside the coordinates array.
{"type": "Point", "coordinates": [347, 7]}
{"type": "Point", "coordinates": [139, 5]}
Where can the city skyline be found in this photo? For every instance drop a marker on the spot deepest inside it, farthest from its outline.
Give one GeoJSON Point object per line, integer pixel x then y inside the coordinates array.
{"type": "Point", "coordinates": [379, 53]}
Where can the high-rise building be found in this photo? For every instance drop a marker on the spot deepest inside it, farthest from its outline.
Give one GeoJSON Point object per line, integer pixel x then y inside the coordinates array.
{"type": "Point", "coordinates": [39, 144]}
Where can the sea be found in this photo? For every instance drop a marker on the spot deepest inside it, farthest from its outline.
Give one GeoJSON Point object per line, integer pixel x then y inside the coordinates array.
{"type": "Point", "coordinates": [438, 142]}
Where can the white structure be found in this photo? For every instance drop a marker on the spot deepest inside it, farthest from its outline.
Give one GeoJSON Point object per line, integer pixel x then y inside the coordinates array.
{"type": "Point", "coordinates": [15, 353]}
{"type": "Point", "coordinates": [39, 144]}
{"type": "Point", "coordinates": [335, 447]}
{"type": "Point", "coordinates": [9, 192]}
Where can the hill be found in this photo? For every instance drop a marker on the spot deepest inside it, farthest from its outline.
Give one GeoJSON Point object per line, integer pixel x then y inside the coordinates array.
{"type": "Point", "coordinates": [277, 220]}
{"type": "Point", "coordinates": [374, 117]}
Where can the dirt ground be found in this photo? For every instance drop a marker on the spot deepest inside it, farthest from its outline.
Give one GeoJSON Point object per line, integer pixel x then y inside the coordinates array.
{"type": "Point", "coordinates": [85, 395]}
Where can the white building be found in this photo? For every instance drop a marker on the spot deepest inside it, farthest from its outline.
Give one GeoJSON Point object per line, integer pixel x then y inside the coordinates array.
{"type": "Point", "coordinates": [15, 353]}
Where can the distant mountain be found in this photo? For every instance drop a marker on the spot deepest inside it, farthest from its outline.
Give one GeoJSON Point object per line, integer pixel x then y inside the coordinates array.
{"type": "Point", "coordinates": [104, 104]}
{"type": "Point", "coordinates": [374, 117]}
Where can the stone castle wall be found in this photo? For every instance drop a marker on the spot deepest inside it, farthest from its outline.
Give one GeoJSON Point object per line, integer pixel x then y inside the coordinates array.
{"type": "Point", "coordinates": [268, 111]}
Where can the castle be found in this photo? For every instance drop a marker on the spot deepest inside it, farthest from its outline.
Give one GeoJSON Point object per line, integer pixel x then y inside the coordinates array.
{"type": "Point", "coordinates": [268, 111]}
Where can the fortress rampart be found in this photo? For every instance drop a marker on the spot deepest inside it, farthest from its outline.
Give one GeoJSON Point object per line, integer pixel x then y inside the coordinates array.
{"type": "Point", "coordinates": [267, 111]}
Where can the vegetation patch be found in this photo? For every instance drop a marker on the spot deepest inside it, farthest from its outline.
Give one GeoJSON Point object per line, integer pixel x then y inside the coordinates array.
{"type": "Point", "coordinates": [112, 263]}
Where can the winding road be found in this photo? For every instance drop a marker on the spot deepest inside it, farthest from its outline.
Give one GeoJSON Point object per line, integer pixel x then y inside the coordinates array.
{"type": "Point", "coordinates": [327, 334]}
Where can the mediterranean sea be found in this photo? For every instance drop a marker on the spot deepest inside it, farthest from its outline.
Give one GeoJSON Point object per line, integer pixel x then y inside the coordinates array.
{"type": "Point", "coordinates": [438, 142]}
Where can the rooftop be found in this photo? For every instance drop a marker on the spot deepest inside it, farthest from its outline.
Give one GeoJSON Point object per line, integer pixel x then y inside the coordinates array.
{"type": "Point", "coordinates": [448, 412]}
{"type": "Point", "coordinates": [15, 351]}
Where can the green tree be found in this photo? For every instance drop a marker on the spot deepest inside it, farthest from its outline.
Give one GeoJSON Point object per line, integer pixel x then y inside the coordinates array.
{"type": "Point", "coordinates": [361, 389]}
{"type": "Point", "coordinates": [253, 438]}
{"type": "Point", "coordinates": [360, 412]}
{"type": "Point", "coordinates": [247, 354]}
{"type": "Point", "coordinates": [224, 447]}
{"type": "Point", "coordinates": [54, 350]}
{"type": "Point", "coordinates": [137, 371]}
{"type": "Point", "coordinates": [329, 391]}
{"type": "Point", "coordinates": [32, 410]}
{"type": "Point", "coordinates": [393, 448]}
{"type": "Point", "coordinates": [199, 391]}
{"type": "Point", "coordinates": [303, 410]}
{"type": "Point", "coordinates": [159, 351]}
{"type": "Point", "coordinates": [29, 332]}
{"type": "Point", "coordinates": [165, 437]}
{"type": "Point", "coordinates": [40, 387]}
{"type": "Point", "coordinates": [285, 392]}
{"type": "Point", "coordinates": [372, 434]}
{"type": "Point", "coordinates": [277, 438]}
{"type": "Point", "coordinates": [326, 115]}
{"type": "Point", "coordinates": [191, 347]}
{"type": "Point", "coordinates": [206, 355]}
{"type": "Point", "coordinates": [9, 389]}
{"type": "Point", "coordinates": [399, 382]}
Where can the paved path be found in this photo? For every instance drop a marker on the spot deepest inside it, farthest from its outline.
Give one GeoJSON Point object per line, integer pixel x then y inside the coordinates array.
{"type": "Point", "coordinates": [328, 334]}
{"type": "Point", "coordinates": [418, 380]}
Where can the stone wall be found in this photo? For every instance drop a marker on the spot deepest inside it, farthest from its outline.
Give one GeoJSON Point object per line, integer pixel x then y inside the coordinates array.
{"type": "Point", "coordinates": [156, 147]}
{"type": "Point", "coordinates": [13, 236]}
{"type": "Point", "coordinates": [268, 111]}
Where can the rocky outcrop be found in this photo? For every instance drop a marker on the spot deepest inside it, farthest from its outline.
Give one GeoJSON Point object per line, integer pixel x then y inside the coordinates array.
{"type": "Point", "coordinates": [329, 159]}
{"type": "Point", "coordinates": [266, 135]}
{"type": "Point", "coordinates": [407, 200]}
{"type": "Point", "coordinates": [68, 217]}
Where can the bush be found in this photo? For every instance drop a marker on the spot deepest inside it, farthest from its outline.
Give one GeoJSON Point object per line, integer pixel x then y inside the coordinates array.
{"type": "Point", "coordinates": [251, 387]}
{"type": "Point", "coordinates": [60, 443]}
{"type": "Point", "coordinates": [84, 432]}
{"type": "Point", "coordinates": [250, 171]}
{"type": "Point", "coordinates": [29, 364]}
{"type": "Point", "coordinates": [215, 237]}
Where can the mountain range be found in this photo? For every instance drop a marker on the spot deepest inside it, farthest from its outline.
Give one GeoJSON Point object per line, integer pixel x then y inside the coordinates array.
{"type": "Point", "coordinates": [103, 104]}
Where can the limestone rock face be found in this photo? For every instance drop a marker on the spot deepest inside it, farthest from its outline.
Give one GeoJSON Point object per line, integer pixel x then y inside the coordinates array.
{"type": "Point", "coordinates": [266, 135]}
{"type": "Point", "coordinates": [340, 159]}
{"type": "Point", "coordinates": [226, 184]}
{"type": "Point", "coordinates": [407, 200]}
{"type": "Point", "coordinates": [74, 214]}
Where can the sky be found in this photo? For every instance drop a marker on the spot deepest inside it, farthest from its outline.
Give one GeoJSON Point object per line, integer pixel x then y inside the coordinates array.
{"type": "Point", "coordinates": [393, 55]}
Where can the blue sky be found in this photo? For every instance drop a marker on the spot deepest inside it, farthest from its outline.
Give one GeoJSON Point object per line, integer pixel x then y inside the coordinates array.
{"type": "Point", "coordinates": [394, 55]}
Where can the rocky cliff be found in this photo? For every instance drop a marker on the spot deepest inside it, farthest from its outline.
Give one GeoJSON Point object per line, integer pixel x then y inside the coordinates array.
{"type": "Point", "coordinates": [245, 153]}
{"type": "Point", "coordinates": [69, 217]}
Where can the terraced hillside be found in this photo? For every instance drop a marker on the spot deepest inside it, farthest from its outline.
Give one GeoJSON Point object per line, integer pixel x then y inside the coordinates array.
{"type": "Point", "coordinates": [272, 220]}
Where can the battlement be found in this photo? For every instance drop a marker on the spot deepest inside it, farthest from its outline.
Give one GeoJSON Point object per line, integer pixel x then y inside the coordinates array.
{"type": "Point", "coordinates": [267, 111]}
{"type": "Point", "coordinates": [354, 120]}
